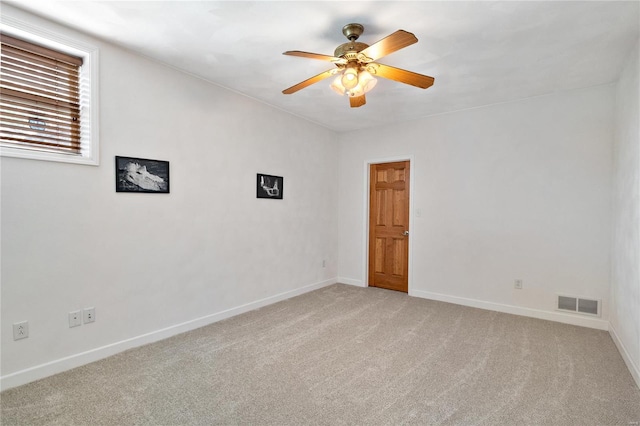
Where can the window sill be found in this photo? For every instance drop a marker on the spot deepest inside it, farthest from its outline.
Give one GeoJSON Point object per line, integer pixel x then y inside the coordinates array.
{"type": "Point", "coordinates": [49, 156]}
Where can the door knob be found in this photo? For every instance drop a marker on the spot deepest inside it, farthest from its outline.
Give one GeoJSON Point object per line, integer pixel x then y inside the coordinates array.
{"type": "Point", "coordinates": [405, 233]}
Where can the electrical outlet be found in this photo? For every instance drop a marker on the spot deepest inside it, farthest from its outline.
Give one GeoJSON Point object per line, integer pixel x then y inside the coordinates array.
{"type": "Point", "coordinates": [75, 319]}
{"type": "Point", "coordinates": [20, 330]}
{"type": "Point", "coordinates": [517, 284]}
{"type": "Point", "coordinates": [89, 315]}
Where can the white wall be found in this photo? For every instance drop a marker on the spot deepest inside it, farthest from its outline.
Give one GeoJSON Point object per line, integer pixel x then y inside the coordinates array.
{"type": "Point", "coordinates": [152, 264]}
{"type": "Point", "coordinates": [519, 190]}
{"type": "Point", "coordinates": [625, 277]}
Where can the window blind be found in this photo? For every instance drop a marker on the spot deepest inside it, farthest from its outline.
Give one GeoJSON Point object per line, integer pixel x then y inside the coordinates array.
{"type": "Point", "coordinates": [39, 97]}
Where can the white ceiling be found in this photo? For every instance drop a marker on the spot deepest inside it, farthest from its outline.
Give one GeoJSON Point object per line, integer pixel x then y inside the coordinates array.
{"type": "Point", "coordinates": [480, 53]}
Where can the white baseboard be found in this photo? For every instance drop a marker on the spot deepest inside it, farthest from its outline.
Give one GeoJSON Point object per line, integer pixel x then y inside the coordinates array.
{"type": "Point", "coordinates": [351, 281]}
{"type": "Point", "coordinates": [63, 364]}
{"type": "Point", "coordinates": [596, 323]}
{"type": "Point", "coordinates": [633, 368]}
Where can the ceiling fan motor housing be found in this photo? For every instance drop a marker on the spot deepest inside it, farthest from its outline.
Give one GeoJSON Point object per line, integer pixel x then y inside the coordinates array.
{"type": "Point", "coordinates": [349, 50]}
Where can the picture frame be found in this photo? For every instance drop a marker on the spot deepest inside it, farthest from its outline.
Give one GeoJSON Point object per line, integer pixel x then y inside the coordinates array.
{"type": "Point", "coordinates": [142, 175]}
{"type": "Point", "coordinates": [269, 186]}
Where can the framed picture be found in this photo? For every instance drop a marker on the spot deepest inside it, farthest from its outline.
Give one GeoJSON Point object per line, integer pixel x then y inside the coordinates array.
{"type": "Point", "coordinates": [269, 186]}
{"type": "Point", "coordinates": [142, 175]}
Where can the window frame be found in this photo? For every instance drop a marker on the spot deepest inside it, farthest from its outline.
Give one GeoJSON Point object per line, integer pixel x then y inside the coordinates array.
{"type": "Point", "coordinates": [89, 154]}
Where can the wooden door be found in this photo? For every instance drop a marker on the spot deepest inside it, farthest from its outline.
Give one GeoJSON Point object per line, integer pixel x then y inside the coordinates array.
{"type": "Point", "coordinates": [389, 226]}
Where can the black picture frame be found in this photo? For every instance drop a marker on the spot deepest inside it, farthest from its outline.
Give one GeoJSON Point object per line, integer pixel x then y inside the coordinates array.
{"type": "Point", "coordinates": [269, 186]}
{"type": "Point", "coordinates": [142, 175]}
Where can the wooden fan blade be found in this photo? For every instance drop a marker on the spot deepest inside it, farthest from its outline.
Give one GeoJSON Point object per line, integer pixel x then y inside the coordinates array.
{"type": "Point", "coordinates": [357, 101]}
{"type": "Point", "coordinates": [389, 44]}
{"type": "Point", "coordinates": [404, 76]}
{"type": "Point", "coordinates": [309, 82]}
{"type": "Point", "coordinates": [333, 59]}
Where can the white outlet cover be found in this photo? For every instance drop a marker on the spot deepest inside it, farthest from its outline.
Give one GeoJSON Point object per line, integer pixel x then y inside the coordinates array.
{"type": "Point", "coordinates": [20, 330]}
{"type": "Point", "coordinates": [89, 315]}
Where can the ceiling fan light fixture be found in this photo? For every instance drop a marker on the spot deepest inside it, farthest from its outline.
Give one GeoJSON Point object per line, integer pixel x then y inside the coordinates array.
{"type": "Point", "coordinates": [337, 86]}
{"type": "Point", "coordinates": [366, 81]}
{"type": "Point", "coordinates": [349, 78]}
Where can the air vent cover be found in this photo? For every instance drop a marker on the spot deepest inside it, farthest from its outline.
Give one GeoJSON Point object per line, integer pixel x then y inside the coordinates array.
{"type": "Point", "coordinates": [567, 303]}
{"type": "Point", "coordinates": [579, 305]}
{"type": "Point", "coordinates": [587, 306]}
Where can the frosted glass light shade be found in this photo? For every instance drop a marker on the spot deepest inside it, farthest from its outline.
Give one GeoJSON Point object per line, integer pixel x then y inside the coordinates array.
{"type": "Point", "coordinates": [349, 78]}
{"type": "Point", "coordinates": [364, 83]}
{"type": "Point", "coordinates": [337, 86]}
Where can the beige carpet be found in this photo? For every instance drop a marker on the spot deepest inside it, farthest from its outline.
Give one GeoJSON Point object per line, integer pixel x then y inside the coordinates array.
{"type": "Point", "coordinates": [348, 355]}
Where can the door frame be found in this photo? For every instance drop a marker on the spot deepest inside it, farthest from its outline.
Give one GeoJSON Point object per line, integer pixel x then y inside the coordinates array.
{"type": "Point", "coordinates": [365, 217]}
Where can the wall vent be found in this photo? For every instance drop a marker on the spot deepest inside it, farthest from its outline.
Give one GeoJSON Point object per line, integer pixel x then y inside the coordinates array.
{"type": "Point", "coordinates": [579, 305]}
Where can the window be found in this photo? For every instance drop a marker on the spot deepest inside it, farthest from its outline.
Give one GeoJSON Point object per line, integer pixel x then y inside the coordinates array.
{"type": "Point", "coordinates": [40, 101]}
{"type": "Point", "coordinates": [48, 97]}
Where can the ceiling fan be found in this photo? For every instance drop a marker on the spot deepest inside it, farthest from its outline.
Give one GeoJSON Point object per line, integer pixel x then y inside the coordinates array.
{"type": "Point", "coordinates": [355, 66]}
